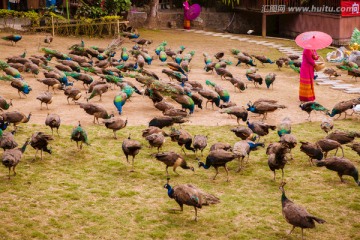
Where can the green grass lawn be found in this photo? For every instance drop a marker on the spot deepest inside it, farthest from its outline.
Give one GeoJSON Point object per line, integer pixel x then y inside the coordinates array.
{"type": "Point", "coordinates": [91, 194]}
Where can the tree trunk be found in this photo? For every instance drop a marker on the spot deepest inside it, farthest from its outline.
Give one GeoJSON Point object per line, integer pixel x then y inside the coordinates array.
{"type": "Point", "coordinates": [152, 17]}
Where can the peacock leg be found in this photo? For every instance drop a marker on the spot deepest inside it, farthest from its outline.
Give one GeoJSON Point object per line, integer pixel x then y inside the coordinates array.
{"type": "Point", "coordinates": [274, 176]}
{"type": "Point", "coordinates": [68, 100]}
{"type": "Point", "coordinates": [206, 103]}
{"type": "Point", "coordinates": [182, 148]}
{"type": "Point", "coordinates": [292, 230]}
{"type": "Point", "coordinates": [217, 172]}
{"type": "Point", "coordinates": [302, 233]}
{"type": "Point", "coordinates": [57, 130]}
{"type": "Point", "coordinates": [77, 145]}
{"type": "Point", "coordinates": [237, 120]}
{"type": "Point", "coordinates": [166, 169]}
{"type": "Point", "coordinates": [36, 154]}
{"type": "Point", "coordinates": [94, 120]}
{"type": "Point", "coordinates": [195, 213]}
{"type": "Point", "coordinates": [127, 158]}
{"type": "Point", "coordinates": [52, 131]}
{"type": "Point", "coordinates": [100, 98]}
{"type": "Point", "coordinates": [339, 116]}
{"type": "Point", "coordinates": [240, 164]}
{"type": "Point", "coordinates": [310, 160]}
{"type": "Point", "coordinates": [340, 176]}
{"type": "Point", "coordinates": [80, 145]}
{"type": "Point", "coordinates": [47, 106]}
{"type": "Point", "coordinates": [174, 169]}
{"type": "Point", "coordinates": [14, 170]}
{"type": "Point", "coordinates": [41, 152]}
{"type": "Point", "coordinates": [342, 151]}
{"type": "Point", "coordinates": [227, 174]}
{"type": "Point", "coordinates": [132, 165]}
{"type": "Point", "coordinates": [19, 94]}
{"type": "Point", "coordinates": [114, 134]}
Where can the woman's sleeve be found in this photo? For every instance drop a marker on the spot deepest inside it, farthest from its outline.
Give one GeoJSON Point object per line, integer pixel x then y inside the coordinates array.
{"type": "Point", "coordinates": [308, 57]}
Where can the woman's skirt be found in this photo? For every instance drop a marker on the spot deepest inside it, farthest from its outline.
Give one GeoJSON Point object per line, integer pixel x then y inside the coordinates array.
{"type": "Point", "coordinates": [306, 90]}
{"type": "Point", "coordinates": [186, 24]}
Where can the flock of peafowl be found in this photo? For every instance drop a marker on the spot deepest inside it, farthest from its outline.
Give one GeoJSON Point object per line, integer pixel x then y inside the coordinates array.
{"type": "Point", "coordinates": [85, 73]}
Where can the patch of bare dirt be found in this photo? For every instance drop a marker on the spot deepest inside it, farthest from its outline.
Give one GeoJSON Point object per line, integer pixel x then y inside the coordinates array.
{"type": "Point", "coordinates": [140, 109]}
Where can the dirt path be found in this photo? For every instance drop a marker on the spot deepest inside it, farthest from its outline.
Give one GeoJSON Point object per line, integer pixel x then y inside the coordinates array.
{"type": "Point", "coordinates": [140, 110]}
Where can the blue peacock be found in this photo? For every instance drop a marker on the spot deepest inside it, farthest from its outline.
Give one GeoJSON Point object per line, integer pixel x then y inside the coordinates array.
{"type": "Point", "coordinates": [224, 94]}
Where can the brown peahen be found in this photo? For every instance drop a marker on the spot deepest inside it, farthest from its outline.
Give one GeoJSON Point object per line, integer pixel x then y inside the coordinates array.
{"type": "Point", "coordinates": [343, 137]}
{"type": "Point", "coordinates": [53, 121]}
{"type": "Point", "coordinates": [156, 140]}
{"type": "Point", "coordinates": [151, 130]}
{"type": "Point", "coordinates": [7, 140]}
{"type": "Point", "coordinates": [242, 149]}
{"type": "Point", "coordinates": [5, 105]}
{"type": "Point", "coordinates": [260, 128]}
{"type": "Point", "coordinates": [199, 143]}
{"type": "Point", "coordinates": [187, 194]}
{"type": "Point", "coordinates": [290, 140]}
{"type": "Point", "coordinates": [312, 150]}
{"type": "Point", "coordinates": [327, 125]}
{"type": "Point", "coordinates": [183, 138]}
{"type": "Point", "coordinates": [131, 148]}
{"type": "Point", "coordinates": [96, 110]}
{"type": "Point", "coordinates": [115, 124]}
{"type": "Point", "coordinates": [166, 121]}
{"type": "Point", "coordinates": [51, 82]}
{"type": "Point", "coordinates": [342, 166]}
{"type": "Point", "coordinates": [40, 141]}
{"type": "Point", "coordinates": [221, 146]}
{"type": "Point", "coordinates": [297, 215]}
{"type": "Point", "coordinates": [12, 157]}
{"type": "Point", "coordinates": [327, 145]}
{"type": "Point", "coordinates": [277, 157]}
{"type": "Point", "coordinates": [73, 93]}
{"type": "Point", "coordinates": [238, 112]}
{"type": "Point", "coordinates": [172, 159]}
{"type": "Point", "coordinates": [343, 106]}
{"type": "Point", "coordinates": [264, 106]}
{"type": "Point", "coordinates": [244, 133]}
{"type": "Point", "coordinates": [218, 158]}
{"type": "Point", "coordinates": [356, 147]}
{"type": "Point", "coordinates": [45, 97]}
{"type": "Point", "coordinates": [15, 118]}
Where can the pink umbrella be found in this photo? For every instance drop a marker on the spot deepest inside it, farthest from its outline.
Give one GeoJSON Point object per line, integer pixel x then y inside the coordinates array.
{"type": "Point", "coordinates": [193, 12]}
{"type": "Point", "coordinates": [313, 40]}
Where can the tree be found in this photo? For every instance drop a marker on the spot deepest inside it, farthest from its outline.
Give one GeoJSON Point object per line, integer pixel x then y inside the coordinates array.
{"type": "Point", "coordinates": [151, 20]}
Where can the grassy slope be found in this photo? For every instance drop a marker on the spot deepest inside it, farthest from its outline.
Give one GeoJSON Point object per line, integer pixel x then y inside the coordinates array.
{"type": "Point", "coordinates": [90, 194]}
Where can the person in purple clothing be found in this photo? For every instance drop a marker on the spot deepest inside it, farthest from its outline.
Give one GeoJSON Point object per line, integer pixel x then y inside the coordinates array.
{"type": "Point", "coordinates": [186, 20]}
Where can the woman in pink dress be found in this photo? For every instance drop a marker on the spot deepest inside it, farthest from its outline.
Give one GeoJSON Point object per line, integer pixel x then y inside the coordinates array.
{"type": "Point", "coordinates": [306, 90]}
{"type": "Point", "coordinates": [186, 20]}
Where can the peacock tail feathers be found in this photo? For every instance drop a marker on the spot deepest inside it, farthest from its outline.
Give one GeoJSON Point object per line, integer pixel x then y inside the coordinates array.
{"type": "Point", "coordinates": [296, 69]}
{"type": "Point", "coordinates": [3, 65]}
{"type": "Point", "coordinates": [283, 131]}
{"type": "Point", "coordinates": [128, 91]}
{"type": "Point", "coordinates": [318, 107]}
{"type": "Point", "coordinates": [89, 69]}
{"type": "Point", "coordinates": [228, 62]}
{"type": "Point", "coordinates": [7, 78]}
{"type": "Point", "coordinates": [192, 53]}
{"type": "Point", "coordinates": [209, 83]}
{"type": "Point", "coordinates": [235, 51]}
{"type": "Point", "coordinates": [82, 132]}
{"type": "Point", "coordinates": [72, 74]}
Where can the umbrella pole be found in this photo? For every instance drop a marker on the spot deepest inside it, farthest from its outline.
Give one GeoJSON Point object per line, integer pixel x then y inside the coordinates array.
{"type": "Point", "coordinates": [67, 9]}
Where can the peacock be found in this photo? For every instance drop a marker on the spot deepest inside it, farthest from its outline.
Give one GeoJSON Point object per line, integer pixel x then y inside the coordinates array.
{"type": "Point", "coordinates": [183, 138]}
{"type": "Point", "coordinates": [327, 125]}
{"type": "Point", "coordinates": [185, 101]}
{"type": "Point", "coordinates": [238, 112]}
{"type": "Point", "coordinates": [277, 157]}
{"type": "Point", "coordinates": [343, 106]}
{"type": "Point", "coordinates": [172, 159]}
{"type": "Point", "coordinates": [260, 128]}
{"type": "Point", "coordinates": [207, 59]}
{"type": "Point", "coordinates": [54, 53]}
{"type": "Point", "coordinates": [160, 48]}
{"type": "Point", "coordinates": [178, 58]}
{"type": "Point", "coordinates": [284, 127]}
{"type": "Point", "coordinates": [40, 141]}
{"type": "Point", "coordinates": [190, 195]}
{"type": "Point", "coordinates": [111, 48]}
{"type": "Point", "coordinates": [12, 157]}
{"type": "Point", "coordinates": [132, 148]}
{"type": "Point", "coordinates": [269, 80]}
{"type": "Point", "coordinates": [242, 149]}
{"type": "Point", "coordinates": [162, 56]}
{"type": "Point", "coordinates": [59, 75]}
{"type": "Point", "coordinates": [22, 86]}
{"type": "Point", "coordinates": [238, 84]}
{"type": "Point", "coordinates": [263, 59]}
{"type": "Point", "coordinates": [124, 54]}
{"type": "Point", "coordinates": [79, 135]}
{"type": "Point", "coordinates": [5, 105]}
{"type": "Point", "coordinates": [53, 121]}
{"type": "Point", "coordinates": [297, 215]}
{"type": "Point", "coordinates": [342, 166]}
{"type": "Point", "coordinates": [10, 71]}
{"type": "Point", "coordinates": [224, 94]}
{"type": "Point", "coordinates": [98, 90]}
{"type": "Point", "coordinates": [12, 38]}
{"type": "Point", "coordinates": [244, 59]}
{"type": "Point", "coordinates": [264, 106]}
{"type": "Point", "coordinates": [312, 150]}
{"type": "Point", "coordinates": [119, 101]}
{"type": "Point", "coordinates": [218, 158]}
{"type": "Point", "coordinates": [312, 106]}
{"type": "Point", "coordinates": [211, 96]}
{"type": "Point", "coordinates": [85, 78]}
